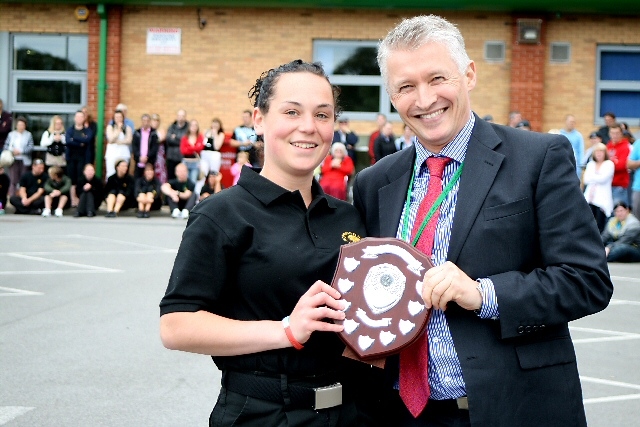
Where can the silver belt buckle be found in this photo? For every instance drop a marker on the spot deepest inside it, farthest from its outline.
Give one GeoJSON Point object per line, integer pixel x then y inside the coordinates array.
{"type": "Point", "coordinates": [463, 403]}
{"type": "Point", "coordinates": [328, 397]}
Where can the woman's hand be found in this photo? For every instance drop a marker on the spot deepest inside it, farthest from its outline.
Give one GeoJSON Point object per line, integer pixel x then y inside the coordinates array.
{"type": "Point", "coordinates": [318, 303]}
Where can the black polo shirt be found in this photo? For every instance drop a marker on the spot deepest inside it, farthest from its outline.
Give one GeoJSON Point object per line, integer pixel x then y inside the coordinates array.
{"type": "Point", "coordinates": [32, 183]}
{"type": "Point", "coordinates": [250, 252]}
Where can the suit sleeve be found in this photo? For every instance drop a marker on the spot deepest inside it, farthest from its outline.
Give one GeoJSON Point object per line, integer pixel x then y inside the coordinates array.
{"type": "Point", "coordinates": [571, 279]}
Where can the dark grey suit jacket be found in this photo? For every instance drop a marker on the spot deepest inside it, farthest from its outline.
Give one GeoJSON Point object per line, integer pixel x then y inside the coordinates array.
{"type": "Point", "coordinates": [522, 221]}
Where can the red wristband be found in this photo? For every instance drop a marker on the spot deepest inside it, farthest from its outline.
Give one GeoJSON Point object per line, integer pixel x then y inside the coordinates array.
{"type": "Point", "coordinates": [287, 330]}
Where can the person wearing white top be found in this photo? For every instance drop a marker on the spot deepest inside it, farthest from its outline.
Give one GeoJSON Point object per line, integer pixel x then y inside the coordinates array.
{"type": "Point", "coordinates": [597, 180]}
{"type": "Point", "coordinates": [54, 139]}
{"type": "Point", "coordinates": [119, 137]}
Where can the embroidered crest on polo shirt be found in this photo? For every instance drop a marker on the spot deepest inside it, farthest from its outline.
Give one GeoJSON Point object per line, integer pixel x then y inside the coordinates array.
{"type": "Point", "coordinates": [350, 237]}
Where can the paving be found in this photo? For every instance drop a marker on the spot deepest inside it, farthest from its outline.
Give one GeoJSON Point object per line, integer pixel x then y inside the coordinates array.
{"type": "Point", "coordinates": [79, 342]}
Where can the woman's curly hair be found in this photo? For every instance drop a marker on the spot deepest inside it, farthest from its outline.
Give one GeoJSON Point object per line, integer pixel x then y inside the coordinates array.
{"type": "Point", "coordinates": [262, 91]}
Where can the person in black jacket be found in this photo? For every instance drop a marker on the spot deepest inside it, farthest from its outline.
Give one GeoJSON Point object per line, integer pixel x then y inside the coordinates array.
{"type": "Point", "coordinates": [147, 192]}
{"type": "Point", "coordinates": [144, 146]}
{"type": "Point", "coordinates": [78, 139]}
{"type": "Point", "coordinates": [174, 134]}
{"type": "Point", "coordinates": [385, 143]}
{"type": "Point", "coordinates": [90, 192]}
{"type": "Point", "coordinates": [119, 190]}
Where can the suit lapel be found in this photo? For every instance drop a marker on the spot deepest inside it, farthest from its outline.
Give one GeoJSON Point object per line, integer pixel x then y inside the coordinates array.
{"type": "Point", "coordinates": [481, 165]}
{"type": "Point", "coordinates": [392, 196]}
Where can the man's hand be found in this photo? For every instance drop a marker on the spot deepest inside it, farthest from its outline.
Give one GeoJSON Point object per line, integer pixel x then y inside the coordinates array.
{"type": "Point", "coordinates": [446, 283]}
{"type": "Point", "coordinates": [25, 201]}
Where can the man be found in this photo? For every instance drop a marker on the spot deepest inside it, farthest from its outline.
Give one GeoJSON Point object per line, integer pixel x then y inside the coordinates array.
{"type": "Point", "coordinates": [30, 197]}
{"type": "Point", "coordinates": [245, 138]}
{"type": "Point", "coordinates": [619, 148]}
{"type": "Point", "coordinates": [622, 235]}
{"type": "Point", "coordinates": [609, 120]}
{"type": "Point", "coordinates": [174, 134]}
{"type": "Point", "coordinates": [345, 135]}
{"type": "Point", "coordinates": [514, 118]}
{"type": "Point", "coordinates": [576, 140]}
{"type": "Point", "coordinates": [633, 163]}
{"type": "Point", "coordinates": [179, 192]}
{"type": "Point", "coordinates": [523, 125]}
{"type": "Point", "coordinates": [6, 124]}
{"type": "Point", "coordinates": [144, 145]}
{"type": "Point", "coordinates": [385, 143]}
{"type": "Point", "coordinates": [78, 141]}
{"type": "Point", "coordinates": [505, 272]}
{"type": "Point", "coordinates": [381, 119]}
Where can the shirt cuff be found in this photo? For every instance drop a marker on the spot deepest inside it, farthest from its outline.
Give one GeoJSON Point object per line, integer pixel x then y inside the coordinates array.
{"type": "Point", "coordinates": [489, 309]}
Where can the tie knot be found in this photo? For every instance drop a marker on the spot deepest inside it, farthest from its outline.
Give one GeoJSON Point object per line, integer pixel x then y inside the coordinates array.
{"type": "Point", "coordinates": [436, 165]}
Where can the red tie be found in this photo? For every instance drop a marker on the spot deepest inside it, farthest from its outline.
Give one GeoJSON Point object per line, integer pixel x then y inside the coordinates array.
{"type": "Point", "coordinates": [414, 360]}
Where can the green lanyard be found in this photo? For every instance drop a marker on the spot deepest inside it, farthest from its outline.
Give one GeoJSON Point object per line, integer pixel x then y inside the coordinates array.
{"type": "Point", "coordinates": [434, 208]}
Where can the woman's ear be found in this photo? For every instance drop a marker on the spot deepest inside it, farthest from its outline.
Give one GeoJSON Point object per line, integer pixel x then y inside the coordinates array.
{"type": "Point", "coordinates": [258, 121]}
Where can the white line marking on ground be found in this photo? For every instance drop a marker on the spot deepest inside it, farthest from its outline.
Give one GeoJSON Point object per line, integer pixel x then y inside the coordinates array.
{"type": "Point", "coordinates": [626, 279]}
{"type": "Point", "coordinates": [90, 252]}
{"type": "Point", "coordinates": [85, 237]}
{"type": "Point", "coordinates": [70, 264]}
{"type": "Point", "coordinates": [611, 398]}
{"type": "Point", "coordinates": [13, 292]}
{"type": "Point", "coordinates": [623, 302]}
{"type": "Point", "coordinates": [8, 413]}
{"type": "Point", "coordinates": [48, 272]}
{"type": "Point", "coordinates": [613, 335]}
{"type": "Point", "coordinates": [609, 382]}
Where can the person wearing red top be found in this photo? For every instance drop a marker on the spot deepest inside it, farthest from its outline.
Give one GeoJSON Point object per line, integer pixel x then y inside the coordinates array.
{"type": "Point", "coordinates": [336, 169]}
{"type": "Point", "coordinates": [191, 144]}
{"type": "Point", "coordinates": [619, 149]}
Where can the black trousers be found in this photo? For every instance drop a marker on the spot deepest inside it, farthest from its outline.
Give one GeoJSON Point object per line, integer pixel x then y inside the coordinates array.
{"type": "Point", "coordinates": [35, 208]}
{"type": "Point", "coordinates": [88, 203]}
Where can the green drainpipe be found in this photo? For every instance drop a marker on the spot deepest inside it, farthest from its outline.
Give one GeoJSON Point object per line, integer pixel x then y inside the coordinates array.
{"type": "Point", "coordinates": [102, 88]}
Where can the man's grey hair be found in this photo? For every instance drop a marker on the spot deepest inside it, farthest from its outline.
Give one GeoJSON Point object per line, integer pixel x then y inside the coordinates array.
{"type": "Point", "coordinates": [413, 33]}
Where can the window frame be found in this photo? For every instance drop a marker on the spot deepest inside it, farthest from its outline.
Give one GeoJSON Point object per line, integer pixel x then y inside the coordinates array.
{"type": "Point", "coordinates": [613, 85]}
{"type": "Point", "coordinates": [351, 80]}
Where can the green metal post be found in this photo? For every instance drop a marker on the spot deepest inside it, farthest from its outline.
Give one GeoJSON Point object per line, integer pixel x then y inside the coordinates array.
{"type": "Point", "coordinates": [102, 88]}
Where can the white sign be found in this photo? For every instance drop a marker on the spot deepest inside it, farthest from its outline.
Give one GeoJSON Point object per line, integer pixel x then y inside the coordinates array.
{"type": "Point", "coordinates": [163, 41]}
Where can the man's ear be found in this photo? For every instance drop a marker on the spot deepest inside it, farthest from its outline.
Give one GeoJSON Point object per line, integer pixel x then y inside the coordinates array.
{"type": "Point", "coordinates": [471, 76]}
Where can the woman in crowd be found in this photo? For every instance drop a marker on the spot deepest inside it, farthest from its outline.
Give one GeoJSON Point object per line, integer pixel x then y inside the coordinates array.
{"type": "Point", "coordinates": [622, 235]}
{"type": "Point", "coordinates": [90, 124]}
{"type": "Point", "coordinates": [57, 190]}
{"type": "Point", "coordinates": [160, 166]}
{"type": "Point", "coordinates": [191, 145]}
{"type": "Point", "coordinates": [147, 192]}
{"type": "Point", "coordinates": [54, 139]}
{"type": "Point", "coordinates": [336, 170]}
{"type": "Point", "coordinates": [119, 137]}
{"type": "Point", "coordinates": [20, 143]}
{"type": "Point", "coordinates": [90, 192]}
{"type": "Point", "coordinates": [119, 190]}
{"type": "Point", "coordinates": [259, 301]}
{"type": "Point", "coordinates": [210, 155]}
{"type": "Point", "coordinates": [597, 180]}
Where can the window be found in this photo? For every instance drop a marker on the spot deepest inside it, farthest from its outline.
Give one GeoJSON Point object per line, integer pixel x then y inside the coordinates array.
{"type": "Point", "coordinates": [494, 51]}
{"type": "Point", "coordinates": [48, 73]}
{"type": "Point", "coordinates": [618, 83]}
{"type": "Point", "coordinates": [352, 65]}
{"type": "Point", "coordinates": [560, 53]}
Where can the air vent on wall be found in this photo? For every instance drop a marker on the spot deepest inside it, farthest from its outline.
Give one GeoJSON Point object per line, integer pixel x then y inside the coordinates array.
{"type": "Point", "coordinates": [494, 51]}
{"type": "Point", "coordinates": [560, 53]}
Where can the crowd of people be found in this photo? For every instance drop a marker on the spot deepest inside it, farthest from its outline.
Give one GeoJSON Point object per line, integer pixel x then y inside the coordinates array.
{"type": "Point", "coordinates": [145, 167]}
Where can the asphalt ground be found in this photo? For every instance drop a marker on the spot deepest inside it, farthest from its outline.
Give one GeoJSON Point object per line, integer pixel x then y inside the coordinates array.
{"type": "Point", "coordinates": [79, 342]}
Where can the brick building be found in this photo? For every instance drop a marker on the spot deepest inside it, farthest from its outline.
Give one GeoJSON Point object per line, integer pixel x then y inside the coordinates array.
{"type": "Point", "coordinates": [562, 59]}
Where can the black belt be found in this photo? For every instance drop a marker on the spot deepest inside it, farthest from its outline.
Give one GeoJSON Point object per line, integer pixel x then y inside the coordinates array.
{"type": "Point", "coordinates": [448, 406]}
{"type": "Point", "coordinates": [318, 392]}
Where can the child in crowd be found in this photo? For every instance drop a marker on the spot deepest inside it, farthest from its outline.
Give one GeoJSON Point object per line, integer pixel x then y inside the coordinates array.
{"type": "Point", "coordinates": [148, 192]}
{"type": "Point", "coordinates": [90, 192]}
{"type": "Point", "coordinates": [211, 185]}
{"type": "Point", "coordinates": [5, 182]}
{"type": "Point", "coordinates": [56, 190]}
{"type": "Point", "coordinates": [242, 159]}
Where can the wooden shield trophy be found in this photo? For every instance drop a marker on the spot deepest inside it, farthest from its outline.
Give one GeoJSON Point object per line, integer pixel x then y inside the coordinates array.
{"type": "Point", "coordinates": [380, 279]}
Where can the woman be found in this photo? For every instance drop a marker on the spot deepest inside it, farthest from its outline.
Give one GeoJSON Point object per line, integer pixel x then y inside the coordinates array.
{"type": "Point", "coordinates": [119, 137]}
{"type": "Point", "coordinates": [597, 180]}
{"type": "Point", "coordinates": [160, 165]}
{"type": "Point", "coordinates": [210, 155]}
{"type": "Point", "coordinates": [147, 192]}
{"type": "Point", "coordinates": [336, 169]}
{"type": "Point", "coordinates": [119, 190]}
{"type": "Point", "coordinates": [229, 303]}
{"type": "Point", "coordinates": [90, 191]}
{"type": "Point", "coordinates": [212, 185]}
{"type": "Point", "coordinates": [90, 124]}
{"type": "Point", "coordinates": [191, 145]}
{"type": "Point", "coordinates": [20, 143]}
{"type": "Point", "coordinates": [54, 139]}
